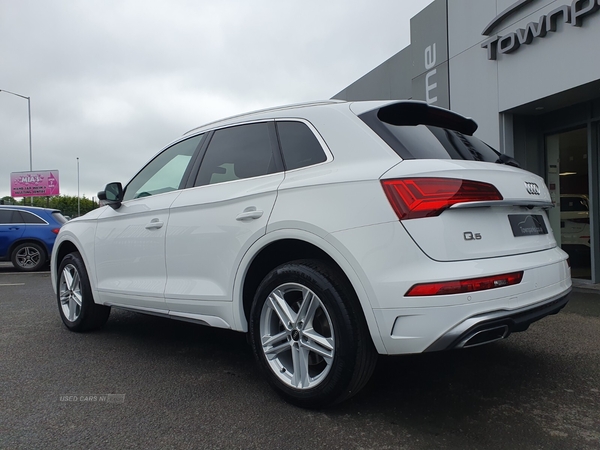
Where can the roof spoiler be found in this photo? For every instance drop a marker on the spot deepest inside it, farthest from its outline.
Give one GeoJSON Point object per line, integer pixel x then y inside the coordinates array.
{"type": "Point", "coordinates": [420, 113]}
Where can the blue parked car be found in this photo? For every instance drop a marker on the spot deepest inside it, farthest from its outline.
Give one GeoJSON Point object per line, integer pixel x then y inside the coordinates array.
{"type": "Point", "coordinates": [27, 235]}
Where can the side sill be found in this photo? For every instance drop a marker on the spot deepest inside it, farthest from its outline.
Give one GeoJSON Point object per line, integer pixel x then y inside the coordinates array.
{"type": "Point", "coordinates": [209, 321]}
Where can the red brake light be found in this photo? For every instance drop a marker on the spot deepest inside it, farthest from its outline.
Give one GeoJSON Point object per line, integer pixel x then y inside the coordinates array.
{"type": "Point", "coordinates": [55, 230]}
{"type": "Point", "coordinates": [464, 286]}
{"type": "Point", "coordinates": [413, 198]}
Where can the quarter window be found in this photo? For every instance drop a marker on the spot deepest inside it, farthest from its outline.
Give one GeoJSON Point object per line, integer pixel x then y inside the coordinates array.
{"type": "Point", "coordinates": [299, 145]}
{"type": "Point", "coordinates": [235, 153]}
{"type": "Point", "coordinates": [31, 218]}
{"type": "Point", "coordinates": [165, 172]}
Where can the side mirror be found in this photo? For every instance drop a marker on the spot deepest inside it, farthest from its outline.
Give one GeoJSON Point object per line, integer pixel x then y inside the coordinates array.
{"type": "Point", "coordinates": [112, 195]}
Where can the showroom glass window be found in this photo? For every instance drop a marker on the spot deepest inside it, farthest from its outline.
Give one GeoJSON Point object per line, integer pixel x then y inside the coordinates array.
{"type": "Point", "coordinates": [235, 153]}
{"type": "Point", "coordinates": [299, 145]}
{"type": "Point", "coordinates": [165, 172]}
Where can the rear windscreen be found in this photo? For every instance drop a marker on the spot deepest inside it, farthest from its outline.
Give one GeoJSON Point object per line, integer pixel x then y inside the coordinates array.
{"type": "Point", "coordinates": [59, 217]}
{"type": "Point", "coordinates": [429, 142]}
{"type": "Point", "coordinates": [419, 132]}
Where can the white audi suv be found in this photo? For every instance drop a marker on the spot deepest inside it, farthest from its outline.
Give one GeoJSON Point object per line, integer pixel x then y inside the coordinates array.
{"type": "Point", "coordinates": [329, 232]}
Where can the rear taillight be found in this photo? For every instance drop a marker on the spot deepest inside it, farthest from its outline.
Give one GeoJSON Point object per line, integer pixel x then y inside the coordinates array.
{"type": "Point", "coordinates": [464, 286]}
{"type": "Point", "coordinates": [55, 230]}
{"type": "Point", "coordinates": [413, 198]}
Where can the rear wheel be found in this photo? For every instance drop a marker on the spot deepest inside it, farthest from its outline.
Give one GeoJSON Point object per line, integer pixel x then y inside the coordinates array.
{"type": "Point", "coordinates": [75, 302]}
{"type": "Point", "coordinates": [309, 335]}
{"type": "Point", "coordinates": [28, 257]}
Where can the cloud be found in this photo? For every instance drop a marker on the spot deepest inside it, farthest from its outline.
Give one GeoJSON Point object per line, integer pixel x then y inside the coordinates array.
{"type": "Point", "coordinates": [112, 82]}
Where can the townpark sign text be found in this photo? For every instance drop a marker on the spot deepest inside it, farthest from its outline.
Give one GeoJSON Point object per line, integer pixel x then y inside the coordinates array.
{"type": "Point", "coordinates": [568, 14]}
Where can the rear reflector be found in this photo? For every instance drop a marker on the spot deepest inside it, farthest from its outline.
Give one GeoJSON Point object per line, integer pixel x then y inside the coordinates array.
{"type": "Point", "coordinates": [414, 198]}
{"type": "Point", "coordinates": [55, 230]}
{"type": "Point", "coordinates": [464, 286]}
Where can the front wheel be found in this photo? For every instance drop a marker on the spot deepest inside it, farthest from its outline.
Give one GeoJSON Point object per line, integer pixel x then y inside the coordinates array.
{"type": "Point", "coordinates": [75, 301]}
{"type": "Point", "coordinates": [309, 335]}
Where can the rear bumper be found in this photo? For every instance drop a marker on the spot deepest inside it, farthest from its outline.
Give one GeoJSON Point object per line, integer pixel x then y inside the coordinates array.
{"type": "Point", "coordinates": [495, 325]}
{"type": "Point", "coordinates": [392, 263]}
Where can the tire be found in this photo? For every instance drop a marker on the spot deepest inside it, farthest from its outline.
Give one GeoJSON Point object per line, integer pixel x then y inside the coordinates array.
{"type": "Point", "coordinates": [28, 257]}
{"type": "Point", "coordinates": [74, 295]}
{"type": "Point", "coordinates": [309, 335]}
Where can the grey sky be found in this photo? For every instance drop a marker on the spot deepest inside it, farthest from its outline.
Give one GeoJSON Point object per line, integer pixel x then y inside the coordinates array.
{"type": "Point", "coordinates": [114, 81]}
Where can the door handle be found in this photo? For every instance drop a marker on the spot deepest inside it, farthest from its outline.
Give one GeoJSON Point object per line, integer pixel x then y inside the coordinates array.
{"type": "Point", "coordinates": [154, 224]}
{"type": "Point", "coordinates": [250, 213]}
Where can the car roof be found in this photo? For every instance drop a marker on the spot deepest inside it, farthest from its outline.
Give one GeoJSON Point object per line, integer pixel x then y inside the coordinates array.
{"type": "Point", "coordinates": [248, 116]}
{"type": "Point", "coordinates": [357, 108]}
{"type": "Point", "coordinates": [29, 208]}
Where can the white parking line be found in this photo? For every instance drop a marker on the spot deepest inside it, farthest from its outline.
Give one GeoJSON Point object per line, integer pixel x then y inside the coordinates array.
{"type": "Point", "coordinates": [12, 284]}
{"type": "Point", "coordinates": [24, 273]}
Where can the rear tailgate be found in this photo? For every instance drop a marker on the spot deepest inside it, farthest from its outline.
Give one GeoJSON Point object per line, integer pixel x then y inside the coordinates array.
{"type": "Point", "coordinates": [515, 225]}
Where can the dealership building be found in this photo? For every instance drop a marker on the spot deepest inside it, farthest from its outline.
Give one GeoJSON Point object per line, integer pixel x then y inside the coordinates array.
{"type": "Point", "coordinates": [528, 72]}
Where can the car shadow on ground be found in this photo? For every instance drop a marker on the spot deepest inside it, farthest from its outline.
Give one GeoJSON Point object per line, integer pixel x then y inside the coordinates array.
{"type": "Point", "coordinates": [453, 382]}
{"type": "Point", "coordinates": [522, 385]}
{"type": "Point", "coordinates": [7, 267]}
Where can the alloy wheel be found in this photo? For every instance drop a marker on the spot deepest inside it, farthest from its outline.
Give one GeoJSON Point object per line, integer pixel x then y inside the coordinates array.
{"type": "Point", "coordinates": [28, 257]}
{"type": "Point", "coordinates": [70, 292]}
{"type": "Point", "coordinates": [297, 336]}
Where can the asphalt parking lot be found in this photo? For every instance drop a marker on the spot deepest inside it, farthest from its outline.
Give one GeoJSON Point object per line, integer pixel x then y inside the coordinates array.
{"type": "Point", "coordinates": [146, 382]}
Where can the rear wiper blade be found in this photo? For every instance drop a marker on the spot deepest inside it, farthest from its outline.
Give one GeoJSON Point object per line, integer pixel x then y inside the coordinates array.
{"type": "Point", "coordinates": [508, 160]}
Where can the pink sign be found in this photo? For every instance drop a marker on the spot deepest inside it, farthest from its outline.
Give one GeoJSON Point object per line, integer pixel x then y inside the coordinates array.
{"type": "Point", "coordinates": [34, 184]}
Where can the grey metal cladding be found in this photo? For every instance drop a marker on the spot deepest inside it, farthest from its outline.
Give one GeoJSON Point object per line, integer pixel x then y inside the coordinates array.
{"type": "Point", "coordinates": [429, 47]}
{"type": "Point", "coordinates": [429, 27]}
{"type": "Point", "coordinates": [433, 86]}
{"type": "Point", "coordinates": [390, 80]}
{"type": "Point", "coordinates": [503, 15]}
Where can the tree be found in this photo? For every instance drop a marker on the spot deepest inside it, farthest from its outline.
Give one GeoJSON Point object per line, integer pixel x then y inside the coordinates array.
{"type": "Point", "coordinates": [8, 200]}
{"type": "Point", "coordinates": [67, 204]}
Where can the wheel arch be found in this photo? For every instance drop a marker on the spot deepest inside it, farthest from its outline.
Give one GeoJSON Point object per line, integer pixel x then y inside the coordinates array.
{"type": "Point", "coordinates": [60, 250]}
{"type": "Point", "coordinates": [63, 250]}
{"type": "Point", "coordinates": [25, 241]}
{"type": "Point", "coordinates": [281, 246]}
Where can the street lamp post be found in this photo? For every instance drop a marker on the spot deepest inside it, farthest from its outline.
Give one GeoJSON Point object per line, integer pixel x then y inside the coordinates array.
{"type": "Point", "coordinates": [29, 114]}
{"type": "Point", "coordinates": [78, 198]}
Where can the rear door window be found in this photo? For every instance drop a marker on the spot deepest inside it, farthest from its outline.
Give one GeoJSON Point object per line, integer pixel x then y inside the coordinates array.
{"type": "Point", "coordinates": [243, 151]}
{"type": "Point", "coordinates": [8, 216]}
